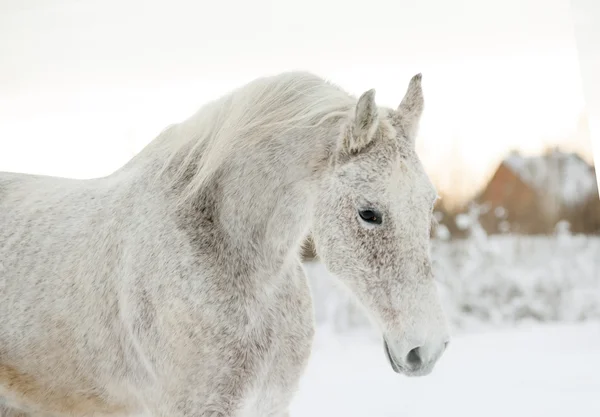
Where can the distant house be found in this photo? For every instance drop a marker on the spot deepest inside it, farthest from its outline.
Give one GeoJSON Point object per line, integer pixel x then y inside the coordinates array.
{"type": "Point", "coordinates": [530, 194]}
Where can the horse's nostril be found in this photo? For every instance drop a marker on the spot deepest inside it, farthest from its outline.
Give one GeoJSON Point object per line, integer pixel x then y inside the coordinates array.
{"type": "Point", "coordinates": [414, 357]}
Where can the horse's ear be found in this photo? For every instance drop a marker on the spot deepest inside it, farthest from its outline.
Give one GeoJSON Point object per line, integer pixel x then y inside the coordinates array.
{"type": "Point", "coordinates": [364, 125]}
{"type": "Point", "coordinates": [410, 109]}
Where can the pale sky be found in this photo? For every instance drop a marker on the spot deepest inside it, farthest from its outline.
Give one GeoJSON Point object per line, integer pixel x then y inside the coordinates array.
{"type": "Point", "coordinates": [84, 84]}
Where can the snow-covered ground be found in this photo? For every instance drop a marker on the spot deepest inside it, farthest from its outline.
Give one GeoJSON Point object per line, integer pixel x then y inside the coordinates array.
{"type": "Point", "coordinates": [544, 370]}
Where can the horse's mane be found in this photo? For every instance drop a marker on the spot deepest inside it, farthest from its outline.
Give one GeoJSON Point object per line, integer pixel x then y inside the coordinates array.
{"type": "Point", "coordinates": [238, 120]}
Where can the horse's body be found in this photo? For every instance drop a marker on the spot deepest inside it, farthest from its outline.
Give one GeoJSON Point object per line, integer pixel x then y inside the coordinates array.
{"type": "Point", "coordinates": [173, 287]}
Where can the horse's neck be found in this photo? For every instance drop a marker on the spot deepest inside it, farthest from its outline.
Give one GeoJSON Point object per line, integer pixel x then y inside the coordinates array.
{"type": "Point", "coordinates": [258, 207]}
{"type": "Point", "coordinates": [269, 197]}
{"type": "Point", "coordinates": [262, 201]}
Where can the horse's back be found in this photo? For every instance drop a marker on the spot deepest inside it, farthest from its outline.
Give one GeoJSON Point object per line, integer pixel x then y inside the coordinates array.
{"type": "Point", "coordinates": [51, 231]}
{"type": "Point", "coordinates": [55, 238]}
{"type": "Point", "coordinates": [39, 214]}
{"type": "Point", "coordinates": [21, 194]}
{"type": "Point", "coordinates": [14, 188]}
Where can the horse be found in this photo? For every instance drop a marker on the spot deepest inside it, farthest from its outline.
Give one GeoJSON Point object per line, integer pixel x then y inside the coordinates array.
{"type": "Point", "coordinates": [174, 286]}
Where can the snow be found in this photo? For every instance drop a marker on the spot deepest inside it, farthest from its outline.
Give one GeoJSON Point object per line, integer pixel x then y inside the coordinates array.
{"type": "Point", "coordinates": [560, 175]}
{"type": "Point", "coordinates": [500, 212]}
{"type": "Point", "coordinates": [534, 371]}
{"type": "Point", "coordinates": [442, 232]}
{"type": "Point", "coordinates": [463, 221]}
{"type": "Point", "coordinates": [504, 280]}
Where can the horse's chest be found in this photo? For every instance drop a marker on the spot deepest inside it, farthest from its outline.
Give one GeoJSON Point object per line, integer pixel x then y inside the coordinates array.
{"type": "Point", "coordinates": [284, 355]}
{"type": "Point", "coordinates": [280, 339]}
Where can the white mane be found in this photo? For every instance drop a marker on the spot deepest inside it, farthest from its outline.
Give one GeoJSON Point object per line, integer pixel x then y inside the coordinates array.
{"type": "Point", "coordinates": [247, 115]}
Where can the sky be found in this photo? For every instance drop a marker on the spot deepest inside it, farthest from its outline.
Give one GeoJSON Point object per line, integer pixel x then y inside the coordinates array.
{"type": "Point", "coordinates": [85, 84]}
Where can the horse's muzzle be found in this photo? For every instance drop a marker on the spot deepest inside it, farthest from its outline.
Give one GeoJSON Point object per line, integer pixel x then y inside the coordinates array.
{"type": "Point", "coordinates": [415, 363]}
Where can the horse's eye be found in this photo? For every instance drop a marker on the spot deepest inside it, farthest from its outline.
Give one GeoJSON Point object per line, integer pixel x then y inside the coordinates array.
{"type": "Point", "coordinates": [370, 216]}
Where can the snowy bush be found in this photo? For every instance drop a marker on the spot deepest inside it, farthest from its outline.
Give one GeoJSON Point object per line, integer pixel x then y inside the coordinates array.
{"type": "Point", "coordinates": [507, 279]}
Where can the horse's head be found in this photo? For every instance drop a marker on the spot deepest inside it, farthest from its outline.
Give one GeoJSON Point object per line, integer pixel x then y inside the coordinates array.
{"type": "Point", "coordinates": [372, 228]}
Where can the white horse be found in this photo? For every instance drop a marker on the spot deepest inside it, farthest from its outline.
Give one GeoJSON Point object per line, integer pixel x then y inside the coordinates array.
{"type": "Point", "coordinates": [173, 287]}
